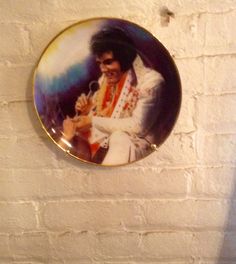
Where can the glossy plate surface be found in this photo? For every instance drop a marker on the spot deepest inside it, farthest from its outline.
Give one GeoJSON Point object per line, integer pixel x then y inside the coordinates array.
{"type": "Point", "coordinates": [107, 91]}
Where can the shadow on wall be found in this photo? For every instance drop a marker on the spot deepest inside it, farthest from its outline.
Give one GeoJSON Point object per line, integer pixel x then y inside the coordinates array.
{"type": "Point", "coordinates": [228, 249]}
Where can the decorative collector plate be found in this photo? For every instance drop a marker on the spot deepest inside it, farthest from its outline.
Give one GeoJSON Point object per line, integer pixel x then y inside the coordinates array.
{"type": "Point", "coordinates": [107, 91]}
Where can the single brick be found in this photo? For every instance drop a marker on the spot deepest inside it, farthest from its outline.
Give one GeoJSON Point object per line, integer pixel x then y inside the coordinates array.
{"type": "Point", "coordinates": [23, 11]}
{"type": "Point", "coordinates": [27, 152]}
{"type": "Point", "coordinates": [5, 128]}
{"type": "Point", "coordinates": [216, 244]}
{"type": "Point", "coordinates": [167, 244]}
{"type": "Point", "coordinates": [118, 245]}
{"type": "Point", "coordinates": [217, 149]}
{"type": "Point", "coordinates": [185, 122]}
{"type": "Point", "coordinates": [34, 184]}
{"type": "Point", "coordinates": [198, 214]}
{"type": "Point", "coordinates": [178, 149]}
{"type": "Point", "coordinates": [213, 182]}
{"type": "Point", "coordinates": [17, 217]}
{"type": "Point", "coordinates": [191, 73]}
{"type": "Point", "coordinates": [72, 246]}
{"type": "Point", "coordinates": [4, 248]}
{"type": "Point", "coordinates": [23, 119]}
{"type": "Point", "coordinates": [149, 182]}
{"type": "Point", "coordinates": [92, 215]}
{"type": "Point", "coordinates": [15, 83]}
{"type": "Point", "coordinates": [215, 113]}
{"type": "Point", "coordinates": [220, 33]}
{"type": "Point", "coordinates": [218, 74]}
{"type": "Point", "coordinates": [189, 30]}
{"type": "Point", "coordinates": [30, 246]}
{"type": "Point", "coordinates": [16, 43]}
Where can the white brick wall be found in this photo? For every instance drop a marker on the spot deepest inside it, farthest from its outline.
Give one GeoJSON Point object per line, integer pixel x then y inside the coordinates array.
{"type": "Point", "coordinates": [176, 206]}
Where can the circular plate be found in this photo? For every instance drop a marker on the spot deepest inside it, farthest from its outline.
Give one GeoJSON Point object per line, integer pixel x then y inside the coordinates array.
{"type": "Point", "coordinates": [107, 91]}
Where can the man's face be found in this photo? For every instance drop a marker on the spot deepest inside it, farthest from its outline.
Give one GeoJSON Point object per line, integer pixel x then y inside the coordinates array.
{"type": "Point", "coordinates": [110, 67]}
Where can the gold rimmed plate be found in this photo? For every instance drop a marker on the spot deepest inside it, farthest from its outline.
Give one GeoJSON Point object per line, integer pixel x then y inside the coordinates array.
{"type": "Point", "coordinates": [107, 91]}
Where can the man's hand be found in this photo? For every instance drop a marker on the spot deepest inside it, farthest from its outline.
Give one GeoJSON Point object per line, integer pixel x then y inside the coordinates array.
{"type": "Point", "coordinates": [69, 127]}
{"type": "Point", "coordinates": [83, 104]}
{"type": "Point", "coordinates": [83, 122]}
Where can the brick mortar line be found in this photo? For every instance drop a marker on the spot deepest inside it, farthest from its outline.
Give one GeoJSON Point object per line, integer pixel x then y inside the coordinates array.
{"type": "Point", "coordinates": [223, 93]}
{"type": "Point", "coordinates": [228, 165]}
{"type": "Point", "coordinates": [49, 21]}
{"type": "Point", "coordinates": [144, 230]}
{"type": "Point", "coordinates": [110, 232]}
{"type": "Point", "coordinates": [118, 200]}
{"type": "Point", "coordinates": [89, 167]}
{"type": "Point", "coordinates": [204, 56]}
{"type": "Point", "coordinates": [98, 199]}
{"type": "Point", "coordinates": [207, 13]}
{"type": "Point", "coordinates": [119, 260]}
{"type": "Point", "coordinates": [127, 169]}
{"type": "Point", "coordinates": [7, 103]}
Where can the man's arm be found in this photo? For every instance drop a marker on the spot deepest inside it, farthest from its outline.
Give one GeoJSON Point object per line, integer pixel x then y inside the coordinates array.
{"type": "Point", "coordinates": [144, 114]}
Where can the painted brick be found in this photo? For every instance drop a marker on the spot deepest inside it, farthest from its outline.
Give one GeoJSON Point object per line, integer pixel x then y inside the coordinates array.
{"type": "Point", "coordinates": [178, 149]}
{"type": "Point", "coordinates": [189, 30]}
{"type": "Point", "coordinates": [17, 217]}
{"type": "Point", "coordinates": [72, 246]}
{"type": "Point", "coordinates": [16, 43]}
{"type": "Point", "coordinates": [30, 246]}
{"type": "Point", "coordinates": [214, 113]}
{"type": "Point", "coordinates": [5, 128]}
{"type": "Point", "coordinates": [22, 262]}
{"type": "Point", "coordinates": [197, 214]}
{"type": "Point", "coordinates": [23, 119]}
{"type": "Point", "coordinates": [185, 123]}
{"type": "Point", "coordinates": [201, 6]}
{"type": "Point", "coordinates": [177, 205]}
{"type": "Point", "coordinates": [78, 183]}
{"type": "Point", "coordinates": [149, 182]}
{"type": "Point", "coordinates": [71, 261]}
{"type": "Point", "coordinates": [104, 8]}
{"type": "Point", "coordinates": [11, 11]}
{"type": "Point", "coordinates": [214, 261]}
{"type": "Point", "coordinates": [15, 83]}
{"type": "Point", "coordinates": [36, 11]}
{"type": "Point", "coordinates": [152, 262]}
{"type": "Point", "coordinates": [118, 245]}
{"type": "Point", "coordinates": [213, 182]}
{"type": "Point", "coordinates": [164, 245]}
{"type": "Point", "coordinates": [41, 184]}
{"type": "Point", "coordinates": [27, 152]}
{"type": "Point", "coordinates": [218, 74]}
{"type": "Point", "coordinates": [216, 245]}
{"type": "Point", "coordinates": [92, 215]}
{"type": "Point", "coordinates": [191, 74]}
{"type": "Point", "coordinates": [157, 215]}
{"type": "Point", "coordinates": [217, 149]}
{"type": "Point", "coordinates": [220, 33]}
{"type": "Point", "coordinates": [4, 248]}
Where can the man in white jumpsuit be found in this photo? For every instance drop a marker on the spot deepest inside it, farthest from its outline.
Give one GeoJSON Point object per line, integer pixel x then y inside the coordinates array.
{"type": "Point", "coordinates": [119, 117]}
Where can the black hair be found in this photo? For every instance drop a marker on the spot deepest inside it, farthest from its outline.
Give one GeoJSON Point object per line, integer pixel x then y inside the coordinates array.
{"type": "Point", "coordinates": [116, 40]}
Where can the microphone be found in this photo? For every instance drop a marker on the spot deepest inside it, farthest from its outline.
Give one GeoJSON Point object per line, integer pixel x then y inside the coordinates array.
{"type": "Point", "coordinates": [93, 87]}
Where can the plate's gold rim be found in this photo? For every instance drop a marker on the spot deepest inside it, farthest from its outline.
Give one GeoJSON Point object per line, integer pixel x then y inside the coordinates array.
{"type": "Point", "coordinates": [171, 59]}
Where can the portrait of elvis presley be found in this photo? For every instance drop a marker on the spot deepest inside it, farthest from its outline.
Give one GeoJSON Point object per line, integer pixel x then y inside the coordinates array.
{"type": "Point", "coordinates": [117, 119]}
